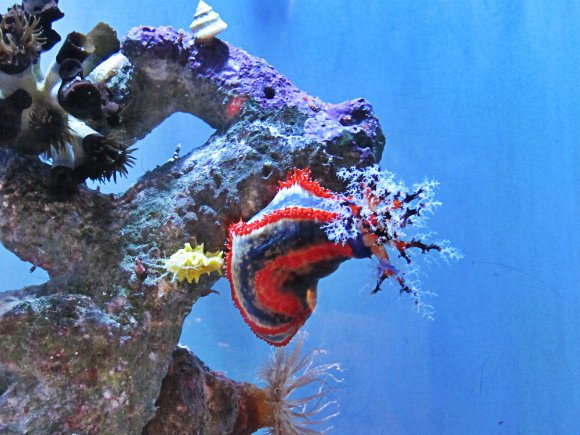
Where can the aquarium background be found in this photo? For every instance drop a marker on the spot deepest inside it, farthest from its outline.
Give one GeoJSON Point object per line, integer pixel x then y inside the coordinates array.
{"type": "Point", "coordinates": [483, 96]}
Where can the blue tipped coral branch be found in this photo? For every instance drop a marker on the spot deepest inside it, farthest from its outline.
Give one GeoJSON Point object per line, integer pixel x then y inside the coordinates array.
{"type": "Point", "coordinates": [276, 259]}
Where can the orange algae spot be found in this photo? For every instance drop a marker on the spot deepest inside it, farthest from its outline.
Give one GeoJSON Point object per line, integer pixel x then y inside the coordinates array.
{"type": "Point", "coordinates": [234, 106]}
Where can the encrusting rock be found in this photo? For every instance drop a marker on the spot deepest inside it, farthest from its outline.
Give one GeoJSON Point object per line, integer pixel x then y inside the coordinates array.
{"type": "Point", "coordinates": [87, 351]}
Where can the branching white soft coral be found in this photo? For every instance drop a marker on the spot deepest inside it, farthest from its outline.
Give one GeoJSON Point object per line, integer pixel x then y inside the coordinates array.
{"type": "Point", "coordinates": [382, 213]}
{"type": "Point", "coordinates": [289, 371]}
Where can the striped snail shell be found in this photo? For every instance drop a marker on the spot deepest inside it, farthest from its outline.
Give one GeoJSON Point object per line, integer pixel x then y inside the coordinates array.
{"type": "Point", "coordinates": [206, 23]}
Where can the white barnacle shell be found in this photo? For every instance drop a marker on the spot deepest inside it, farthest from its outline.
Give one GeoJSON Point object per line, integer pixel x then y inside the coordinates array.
{"type": "Point", "coordinates": [206, 23]}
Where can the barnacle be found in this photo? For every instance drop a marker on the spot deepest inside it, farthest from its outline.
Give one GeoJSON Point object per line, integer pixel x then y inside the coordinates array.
{"type": "Point", "coordinates": [48, 114]}
{"type": "Point", "coordinates": [190, 263]}
{"type": "Point", "coordinates": [287, 373]}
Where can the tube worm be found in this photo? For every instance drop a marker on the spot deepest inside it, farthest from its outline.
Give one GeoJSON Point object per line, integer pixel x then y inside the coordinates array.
{"type": "Point", "coordinates": [45, 114]}
{"type": "Point", "coordinates": [11, 109]}
{"type": "Point", "coordinates": [295, 396]}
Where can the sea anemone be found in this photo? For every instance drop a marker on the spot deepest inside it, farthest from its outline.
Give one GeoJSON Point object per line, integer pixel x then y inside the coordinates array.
{"type": "Point", "coordinates": [20, 40]}
{"type": "Point", "coordinates": [47, 12]}
{"type": "Point", "coordinates": [105, 158]}
{"type": "Point", "coordinates": [289, 371]}
{"type": "Point", "coordinates": [48, 127]}
{"type": "Point", "coordinates": [47, 114]}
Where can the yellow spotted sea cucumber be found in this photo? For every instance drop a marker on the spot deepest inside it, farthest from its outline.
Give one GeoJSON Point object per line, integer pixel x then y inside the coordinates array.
{"type": "Point", "coordinates": [190, 263]}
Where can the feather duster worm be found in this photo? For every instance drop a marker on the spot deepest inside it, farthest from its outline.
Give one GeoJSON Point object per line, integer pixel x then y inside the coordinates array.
{"type": "Point", "coordinates": [276, 259]}
{"type": "Point", "coordinates": [296, 397]}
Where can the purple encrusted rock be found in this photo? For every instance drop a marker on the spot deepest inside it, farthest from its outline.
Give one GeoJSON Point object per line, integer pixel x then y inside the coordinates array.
{"type": "Point", "coordinates": [216, 75]}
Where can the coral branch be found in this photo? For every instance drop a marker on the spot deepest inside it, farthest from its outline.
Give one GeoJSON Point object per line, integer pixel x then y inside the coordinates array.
{"type": "Point", "coordinates": [65, 237]}
{"type": "Point", "coordinates": [190, 388]}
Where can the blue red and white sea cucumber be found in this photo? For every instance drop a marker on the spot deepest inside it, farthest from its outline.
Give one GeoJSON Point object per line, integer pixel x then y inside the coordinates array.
{"type": "Point", "coordinates": [275, 260]}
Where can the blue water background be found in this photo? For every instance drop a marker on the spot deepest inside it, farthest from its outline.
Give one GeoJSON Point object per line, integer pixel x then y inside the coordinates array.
{"type": "Point", "coordinates": [481, 95]}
